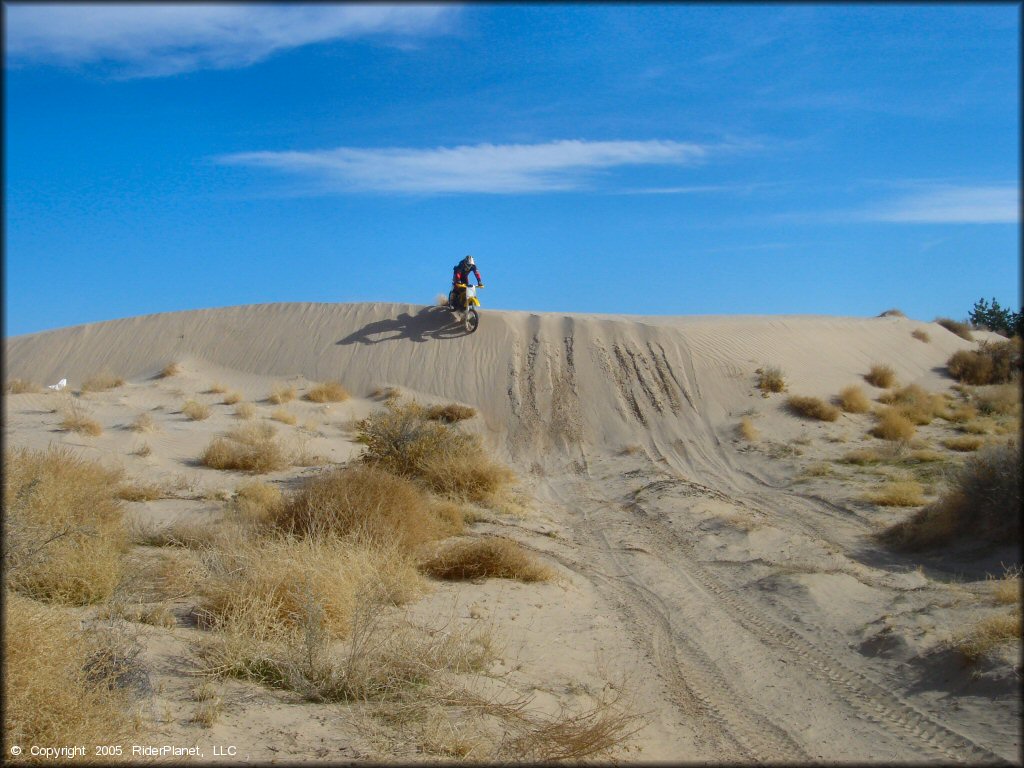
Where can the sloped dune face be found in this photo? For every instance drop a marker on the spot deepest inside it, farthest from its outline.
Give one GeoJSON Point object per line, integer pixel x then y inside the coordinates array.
{"type": "Point", "coordinates": [544, 383]}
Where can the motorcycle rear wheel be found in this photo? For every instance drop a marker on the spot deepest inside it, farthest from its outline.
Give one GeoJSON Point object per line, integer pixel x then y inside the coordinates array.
{"type": "Point", "coordinates": [472, 321]}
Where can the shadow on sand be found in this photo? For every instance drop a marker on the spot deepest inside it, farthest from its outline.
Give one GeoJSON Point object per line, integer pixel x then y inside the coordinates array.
{"type": "Point", "coordinates": [429, 323]}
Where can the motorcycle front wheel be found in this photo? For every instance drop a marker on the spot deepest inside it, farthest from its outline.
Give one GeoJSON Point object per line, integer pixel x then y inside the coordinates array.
{"type": "Point", "coordinates": [472, 320]}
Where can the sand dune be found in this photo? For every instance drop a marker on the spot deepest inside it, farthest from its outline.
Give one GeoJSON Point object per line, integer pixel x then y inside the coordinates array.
{"type": "Point", "coordinates": [740, 591]}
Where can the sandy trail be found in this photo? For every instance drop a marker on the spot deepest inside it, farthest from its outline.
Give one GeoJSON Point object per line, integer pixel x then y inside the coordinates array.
{"type": "Point", "coordinates": [744, 601]}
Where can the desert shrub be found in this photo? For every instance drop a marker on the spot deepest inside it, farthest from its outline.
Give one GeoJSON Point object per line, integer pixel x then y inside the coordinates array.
{"type": "Point", "coordinates": [959, 413]}
{"type": "Point", "coordinates": [195, 410]}
{"type": "Point", "coordinates": [987, 635]}
{"type": "Point", "coordinates": [245, 410]}
{"type": "Point", "coordinates": [917, 404]}
{"type": "Point", "coordinates": [898, 494]}
{"type": "Point", "coordinates": [328, 392]}
{"type": "Point", "coordinates": [892, 425]}
{"type": "Point", "coordinates": [102, 382]}
{"type": "Point", "coordinates": [990, 364]}
{"type": "Point", "coordinates": [921, 335]}
{"type": "Point", "coordinates": [216, 389]}
{"type": "Point", "coordinates": [362, 502]}
{"type": "Point", "coordinates": [143, 423]}
{"type": "Point", "coordinates": [259, 502]}
{"type": "Point", "coordinates": [59, 684]}
{"type": "Point", "coordinates": [447, 461]}
{"type": "Point", "coordinates": [252, 448]}
{"type": "Point", "coordinates": [488, 557]}
{"type": "Point", "coordinates": [171, 369]}
{"type": "Point", "coordinates": [893, 313]}
{"type": "Point", "coordinates": [64, 532]}
{"type": "Point", "coordinates": [231, 398]}
{"type": "Point", "coordinates": [982, 504]}
{"type": "Point", "coordinates": [281, 394]}
{"type": "Point", "coordinates": [140, 492]}
{"type": "Point", "coordinates": [862, 457]}
{"type": "Point", "coordinates": [187, 533]}
{"type": "Point", "coordinates": [450, 413]}
{"type": "Point", "coordinates": [21, 387]}
{"type": "Point", "coordinates": [747, 430]}
{"type": "Point", "coordinates": [963, 443]}
{"type": "Point", "coordinates": [881, 376]}
{"type": "Point", "coordinates": [812, 408]}
{"type": "Point", "coordinates": [76, 418]}
{"type": "Point", "coordinates": [853, 400]}
{"type": "Point", "coordinates": [284, 416]}
{"type": "Point", "coordinates": [770, 379]}
{"type": "Point", "coordinates": [963, 330]}
{"type": "Point", "coordinates": [1001, 399]}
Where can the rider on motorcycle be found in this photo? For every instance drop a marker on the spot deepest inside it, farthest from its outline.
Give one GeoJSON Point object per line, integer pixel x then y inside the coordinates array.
{"type": "Point", "coordinates": [461, 277]}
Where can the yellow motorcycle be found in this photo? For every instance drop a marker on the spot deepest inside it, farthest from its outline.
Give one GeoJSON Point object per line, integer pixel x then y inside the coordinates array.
{"type": "Point", "coordinates": [468, 316]}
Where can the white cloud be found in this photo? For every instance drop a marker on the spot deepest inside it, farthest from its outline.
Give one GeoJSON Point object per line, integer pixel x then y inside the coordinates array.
{"type": "Point", "coordinates": [951, 204]}
{"type": "Point", "coordinates": [147, 40]}
{"type": "Point", "coordinates": [492, 168]}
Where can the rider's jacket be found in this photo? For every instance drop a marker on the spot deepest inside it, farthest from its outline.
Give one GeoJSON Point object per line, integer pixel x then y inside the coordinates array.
{"type": "Point", "coordinates": [462, 271]}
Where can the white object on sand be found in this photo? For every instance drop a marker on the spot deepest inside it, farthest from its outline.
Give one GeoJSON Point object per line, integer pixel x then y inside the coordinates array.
{"type": "Point", "coordinates": [59, 385]}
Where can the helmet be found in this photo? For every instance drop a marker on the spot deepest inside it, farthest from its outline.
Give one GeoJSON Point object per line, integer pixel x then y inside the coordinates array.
{"type": "Point", "coordinates": [470, 261]}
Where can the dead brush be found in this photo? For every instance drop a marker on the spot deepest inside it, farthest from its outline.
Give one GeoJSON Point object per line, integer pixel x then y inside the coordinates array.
{"type": "Point", "coordinates": [284, 416]}
{"type": "Point", "coordinates": [449, 414]}
{"type": "Point", "coordinates": [981, 504]}
{"type": "Point", "coordinates": [963, 330]}
{"type": "Point", "coordinates": [747, 430]}
{"type": "Point", "coordinates": [258, 503]}
{"type": "Point", "coordinates": [366, 503]}
{"type": "Point", "coordinates": [1006, 590]}
{"type": "Point", "coordinates": [770, 379]}
{"type": "Point", "coordinates": [76, 418]}
{"type": "Point", "coordinates": [328, 392]}
{"type": "Point", "coordinates": [964, 443]}
{"type": "Point", "coordinates": [881, 376]}
{"type": "Point", "coordinates": [140, 492]}
{"type": "Point", "coordinates": [252, 448]}
{"type": "Point", "coordinates": [853, 400]}
{"type": "Point", "coordinates": [281, 394]}
{"type": "Point", "coordinates": [191, 534]}
{"type": "Point", "coordinates": [987, 635]}
{"type": "Point", "coordinates": [171, 369]}
{"type": "Point", "coordinates": [143, 423]}
{"type": "Point", "coordinates": [921, 335]}
{"type": "Point", "coordinates": [101, 382]}
{"type": "Point", "coordinates": [898, 494]}
{"type": "Point", "coordinates": [916, 404]}
{"type": "Point", "coordinates": [195, 410]}
{"type": "Point", "coordinates": [21, 387]}
{"type": "Point", "coordinates": [64, 532]}
{"type": "Point", "coordinates": [812, 408]}
{"type": "Point", "coordinates": [53, 691]}
{"type": "Point", "coordinates": [231, 398]}
{"type": "Point", "coordinates": [245, 410]}
{"type": "Point", "coordinates": [996, 363]}
{"type": "Point", "coordinates": [890, 424]}
{"type": "Point", "coordinates": [487, 557]}
{"type": "Point", "coordinates": [1001, 399]}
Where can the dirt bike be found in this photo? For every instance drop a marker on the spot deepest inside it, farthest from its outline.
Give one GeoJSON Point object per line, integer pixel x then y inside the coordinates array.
{"type": "Point", "coordinates": [469, 317]}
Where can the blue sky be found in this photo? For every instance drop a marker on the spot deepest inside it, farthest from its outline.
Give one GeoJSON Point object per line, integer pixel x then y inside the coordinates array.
{"type": "Point", "coordinates": [649, 159]}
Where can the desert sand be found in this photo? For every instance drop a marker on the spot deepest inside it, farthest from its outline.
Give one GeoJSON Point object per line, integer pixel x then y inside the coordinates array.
{"type": "Point", "coordinates": [728, 587]}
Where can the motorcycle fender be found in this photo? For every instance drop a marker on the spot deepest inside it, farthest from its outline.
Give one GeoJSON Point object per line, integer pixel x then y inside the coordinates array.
{"type": "Point", "coordinates": [475, 301]}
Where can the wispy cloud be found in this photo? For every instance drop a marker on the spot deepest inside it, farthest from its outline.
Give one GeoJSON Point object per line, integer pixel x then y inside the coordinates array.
{"type": "Point", "coordinates": [481, 168]}
{"type": "Point", "coordinates": [997, 204]}
{"type": "Point", "coordinates": [699, 189]}
{"type": "Point", "coordinates": [151, 40]}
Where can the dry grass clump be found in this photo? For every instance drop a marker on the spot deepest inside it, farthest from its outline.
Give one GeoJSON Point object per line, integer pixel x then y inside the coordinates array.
{"type": "Point", "coordinates": [959, 413]}
{"type": "Point", "coordinates": [921, 335]}
{"type": "Point", "coordinates": [987, 635]}
{"type": "Point", "coordinates": [917, 404]}
{"type": "Point", "coordinates": [812, 408]}
{"type": "Point", "coordinates": [1002, 399]}
{"type": "Point", "coordinates": [881, 376]}
{"type": "Point", "coordinates": [195, 410]}
{"type": "Point", "coordinates": [185, 533]}
{"type": "Point", "coordinates": [281, 394]}
{"type": "Point", "coordinates": [853, 400]}
{"type": "Point", "coordinates": [996, 363]}
{"type": "Point", "coordinates": [328, 392]}
{"type": "Point", "coordinates": [366, 503]}
{"type": "Point", "coordinates": [76, 418]}
{"type": "Point", "coordinates": [898, 494]}
{"type": "Point", "coordinates": [245, 410]}
{"type": "Point", "coordinates": [450, 413]}
{"type": "Point", "coordinates": [862, 457]}
{"type": "Point", "coordinates": [143, 423]}
{"type": "Point", "coordinates": [140, 492]}
{"type": "Point", "coordinates": [770, 379]}
{"type": "Point", "coordinates": [171, 369]}
{"type": "Point", "coordinates": [284, 416]}
{"type": "Point", "coordinates": [1006, 590]}
{"type": "Point", "coordinates": [487, 557]}
{"type": "Point", "coordinates": [101, 382]}
{"type": "Point", "coordinates": [231, 398]}
{"type": "Point", "coordinates": [64, 531]}
{"type": "Point", "coordinates": [216, 389]}
{"type": "Point", "coordinates": [964, 443]}
{"type": "Point", "coordinates": [892, 425]}
{"type": "Point", "coordinates": [452, 463]}
{"type": "Point", "coordinates": [982, 504]}
{"type": "Point", "coordinates": [60, 685]}
{"type": "Point", "coordinates": [21, 387]}
{"type": "Point", "coordinates": [258, 502]}
{"type": "Point", "coordinates": [893, 313]}
{"type": "Point", "coordinates": [252, 448]}
{"type": "Point", "coordinates": [963, 330]}
{"type": "Point", "coordinates": [747, 430]}
{"type": "Point", "coordinates": [142, 450]}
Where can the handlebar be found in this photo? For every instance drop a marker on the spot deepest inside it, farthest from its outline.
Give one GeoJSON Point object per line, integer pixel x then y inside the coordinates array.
{"type": "Point", "coordinates": [464, 285]}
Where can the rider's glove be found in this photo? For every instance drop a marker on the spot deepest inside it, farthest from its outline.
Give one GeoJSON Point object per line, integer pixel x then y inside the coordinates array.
{"type": "Point", "coordinates": [479, 285]}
